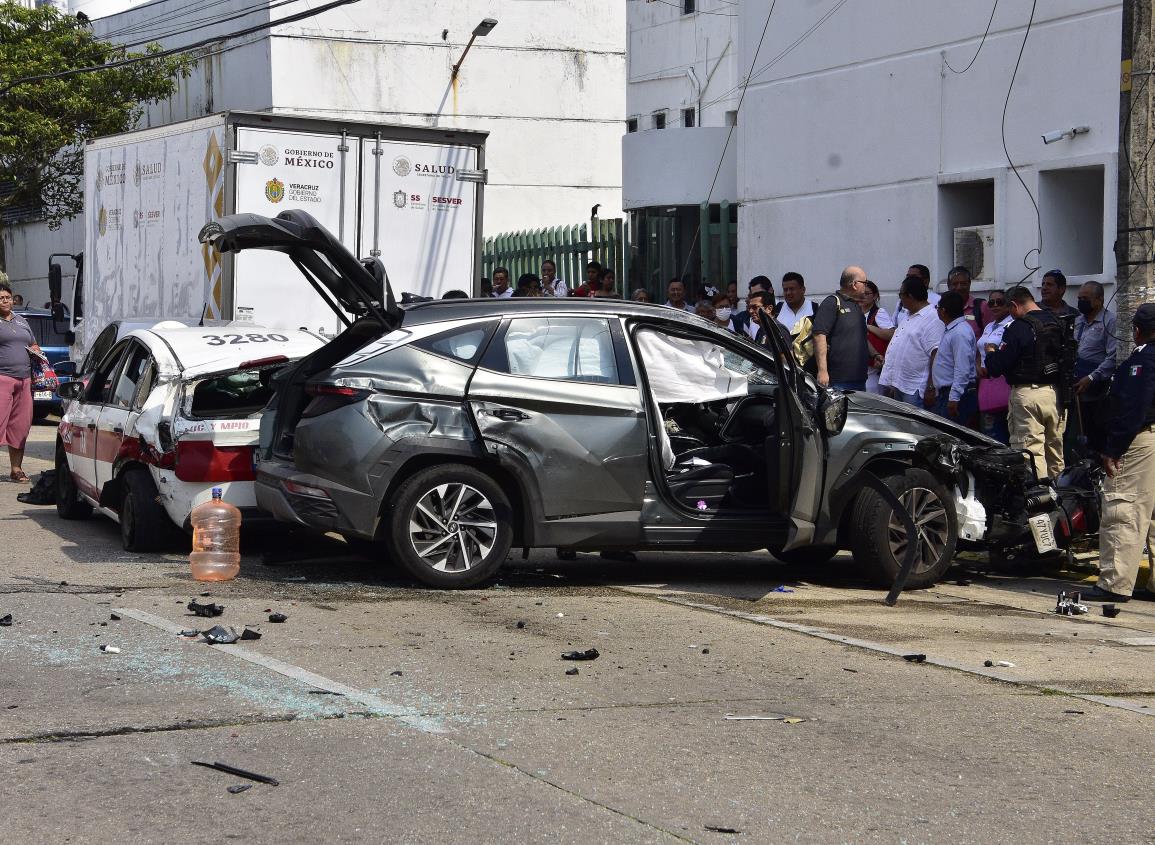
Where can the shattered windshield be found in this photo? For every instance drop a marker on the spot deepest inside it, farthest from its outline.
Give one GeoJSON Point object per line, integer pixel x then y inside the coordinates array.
{"type": "Point", "coordinates": [238, 394]}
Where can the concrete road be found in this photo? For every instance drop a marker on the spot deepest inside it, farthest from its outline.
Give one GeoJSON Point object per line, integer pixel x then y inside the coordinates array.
{"type": "Point", "coordinates": [721, 709]}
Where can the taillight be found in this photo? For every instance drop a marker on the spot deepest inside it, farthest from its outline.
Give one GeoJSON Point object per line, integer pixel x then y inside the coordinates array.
{"type": "Point", "coordinates": [201, 460]}
{"type": "Point", "coordinates": [330, 397]}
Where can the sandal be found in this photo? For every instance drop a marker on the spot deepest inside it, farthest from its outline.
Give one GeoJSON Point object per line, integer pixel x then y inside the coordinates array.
{"type": "Point", "coordinates": [19, 476]}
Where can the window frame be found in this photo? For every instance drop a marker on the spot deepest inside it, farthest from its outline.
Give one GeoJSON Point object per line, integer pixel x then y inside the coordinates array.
{"type": "Point", "coordinates": [94, 393]}
{"type": "Point", "coordinates": [425, 344]}
{"type": "Point", "coordinates": [133, 348]}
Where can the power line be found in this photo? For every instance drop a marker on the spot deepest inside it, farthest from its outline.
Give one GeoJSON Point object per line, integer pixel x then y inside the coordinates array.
{"type": "Point", "coordinates": [946, 62]}
{"type": "Point", "coordinates": [1003, 133]}
{"type": "Point", "coordinates": [729, 135]}
{"type": "Point", "coordinates": [207, 22]}
{"type": "Point", "coordinates": [783, 54]}
{"type": "Point", "coordinates": [160, 54]}
{"type": "Point", "coordinates": [161, 19]}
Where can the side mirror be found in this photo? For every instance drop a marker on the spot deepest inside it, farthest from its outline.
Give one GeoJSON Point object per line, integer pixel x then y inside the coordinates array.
{"type": "Point", "coordinates": [833, 408]}
{"type": "Point", "coordinates": [65, 368]}
{"type": "Point", "coordinates": [71, 390]}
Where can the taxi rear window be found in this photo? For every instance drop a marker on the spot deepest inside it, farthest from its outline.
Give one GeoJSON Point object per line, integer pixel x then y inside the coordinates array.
{"type": "Point", "coordinates": [242, 393]}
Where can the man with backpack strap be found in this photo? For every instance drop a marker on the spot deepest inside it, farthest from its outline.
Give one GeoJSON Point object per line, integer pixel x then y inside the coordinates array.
{"type": "Point", "coordinates": [1029, 357]}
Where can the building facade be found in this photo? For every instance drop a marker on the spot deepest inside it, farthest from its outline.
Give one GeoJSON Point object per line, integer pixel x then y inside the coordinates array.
{"type": "Point", "coordinates": [547, 83]}
{"type": "Point", "coordinates": [876, 134]}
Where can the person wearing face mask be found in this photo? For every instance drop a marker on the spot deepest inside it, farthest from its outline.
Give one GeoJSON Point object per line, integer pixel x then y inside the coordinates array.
{"type": "Point", "coordinates": [1095, 332]}
{"type": "Point", "coordinates": [723, 313]}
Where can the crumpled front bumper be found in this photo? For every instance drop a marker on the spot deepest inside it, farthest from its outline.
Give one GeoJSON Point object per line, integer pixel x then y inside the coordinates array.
{"type": "Point", "coordinates": [1000, 501]}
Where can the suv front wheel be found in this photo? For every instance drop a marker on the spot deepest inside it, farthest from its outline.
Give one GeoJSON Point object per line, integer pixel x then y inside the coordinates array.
{"type": "Point", "coordinates": [879, 539]}
{"type": "Point", "coordinates": [451, 526]}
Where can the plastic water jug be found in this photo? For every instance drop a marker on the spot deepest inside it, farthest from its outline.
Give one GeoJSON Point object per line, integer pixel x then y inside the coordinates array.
{"type": "Point", "coordinates": [216, 545]}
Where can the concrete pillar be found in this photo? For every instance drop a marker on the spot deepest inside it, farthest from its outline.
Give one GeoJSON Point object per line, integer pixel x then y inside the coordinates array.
{"type": "Point", "coordinates": [1135, 247]}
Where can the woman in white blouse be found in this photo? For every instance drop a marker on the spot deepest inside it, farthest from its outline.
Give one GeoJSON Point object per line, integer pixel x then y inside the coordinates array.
{"type": "Point", "coordinates": [993, 392]}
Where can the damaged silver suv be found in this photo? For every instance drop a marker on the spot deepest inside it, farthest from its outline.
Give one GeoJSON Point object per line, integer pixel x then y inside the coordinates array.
{"type": "Point", "coordinates": [449, 432]}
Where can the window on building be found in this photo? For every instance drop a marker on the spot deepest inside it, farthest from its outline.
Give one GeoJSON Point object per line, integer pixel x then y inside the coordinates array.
{"type": "Point", "coordinates": [732, 118]}
{"type": "Point", "coordinates": [966, 213]}
{"type": "Point", "coordinates": [1071, 204]}
{"type": "Point", "coordinates": [659, 120]}
{"type": "Point", "coordinates": [688, 117]}
{"type": "Point", "coordinates": [688, 7]}
{"type": "Point", "coordinates": [632, 124]}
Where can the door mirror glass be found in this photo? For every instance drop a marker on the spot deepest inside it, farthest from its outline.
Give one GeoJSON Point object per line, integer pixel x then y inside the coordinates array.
{"type": "Point", "coordinates": [833, 407]}
{"type": "Point", "coordinates": [65, 368]}
{"type": "Point", "coordinates": [71, 390]}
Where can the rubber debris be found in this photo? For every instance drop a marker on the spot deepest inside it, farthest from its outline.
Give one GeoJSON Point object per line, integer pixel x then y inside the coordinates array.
{"type": "Point", "coordinates": [572, 671]}
{"type": "Point", "coordinates": [714, 828]}
{"type": "Point", "coordinates": [277, 617]}
{"type": "Point", "coordinates": [240, 787]}
{"type": "Point", "coordinates": [915, 658]}
{"type": "Point", "coordinates": [6, 620]}
{"type": "Point", "coordinates": [250, 634]}
{"type": "Point", "coordinates": [241, 773]}
{"type": "Point", "coordinates": [588, 654]}
{"type": "Point", "coordinates": [206, 609]}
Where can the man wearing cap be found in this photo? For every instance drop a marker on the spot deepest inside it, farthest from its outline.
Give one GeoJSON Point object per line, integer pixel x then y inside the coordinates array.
{"type": "Point", "coordinates": [1129, 459]}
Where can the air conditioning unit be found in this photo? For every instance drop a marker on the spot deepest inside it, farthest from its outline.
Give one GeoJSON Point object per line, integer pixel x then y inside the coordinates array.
{"type": "Point", "coordinates": [974, 248]}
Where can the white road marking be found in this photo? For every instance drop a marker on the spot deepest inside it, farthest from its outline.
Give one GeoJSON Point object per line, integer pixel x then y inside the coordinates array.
{"type": "Point", "coordinates": [810, 631]}
{"type": "Point", "coordinates": [377, 705]}
{"type": "Point", "coordinates": [1136, 641]}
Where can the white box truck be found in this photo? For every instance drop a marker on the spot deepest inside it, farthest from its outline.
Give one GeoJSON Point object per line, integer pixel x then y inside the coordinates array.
{"type": "Point", "coordinates": [409, 195]}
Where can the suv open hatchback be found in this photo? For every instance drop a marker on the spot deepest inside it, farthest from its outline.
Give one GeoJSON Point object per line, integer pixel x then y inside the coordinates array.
{"type": "Point", "coordinates": [448, 432]}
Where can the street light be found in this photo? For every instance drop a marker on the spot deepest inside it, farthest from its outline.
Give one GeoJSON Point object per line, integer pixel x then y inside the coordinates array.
{"type": "Point", "coordinates": [482, 29]}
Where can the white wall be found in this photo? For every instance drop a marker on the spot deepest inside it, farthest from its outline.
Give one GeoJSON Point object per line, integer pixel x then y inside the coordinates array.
{"type": "Point", "coordinates": [665, 44]}
{"type": "Point", "coordinates": [845, 140]}
{"type": "Point", "coordinates": [26, 250]}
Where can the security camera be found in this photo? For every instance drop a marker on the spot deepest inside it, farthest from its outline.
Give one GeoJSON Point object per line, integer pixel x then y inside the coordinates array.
{"type": "Point", "coordinates": [1060, 134]}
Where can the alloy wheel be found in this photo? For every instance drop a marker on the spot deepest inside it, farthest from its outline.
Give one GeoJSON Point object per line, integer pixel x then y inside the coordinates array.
{"type": "Point", "coordinates": [453, 527]}
{"type": "Point", "coordinates": [930, 518]}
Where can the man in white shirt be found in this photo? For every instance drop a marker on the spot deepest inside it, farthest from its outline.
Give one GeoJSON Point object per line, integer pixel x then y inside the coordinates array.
{"type": "Point", "coordinates": [794, 305]}
{"type": "Point", "coordinates": [920, 271]}
{"type": "Point", "coordinates": [906, 371]}
{"type": "Point", "coordinates": [551, 285]}
{"type": "Point", "coordinates": [676, 297]}
{"type": "Point", "coordinates": [501, 288]}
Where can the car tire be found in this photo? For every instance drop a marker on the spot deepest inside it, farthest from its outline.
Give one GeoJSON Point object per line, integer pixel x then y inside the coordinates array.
{"type": "Point", "coordinates": [878, 537]}
{"type": "Point", "coordinates": [69, 505]}
{"type": "Point", "coordinates": [806, 555]}
{"type": "Point", "coordinates": [426, 539]}
{"type": "Point", "coordinates": [144, 523]}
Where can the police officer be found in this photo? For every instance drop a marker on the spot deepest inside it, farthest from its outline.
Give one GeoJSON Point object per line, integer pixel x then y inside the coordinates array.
{"type": "Point", "coordinates": [1129, 458]}
{"type": "Point", "coordinates": [1029, 358]}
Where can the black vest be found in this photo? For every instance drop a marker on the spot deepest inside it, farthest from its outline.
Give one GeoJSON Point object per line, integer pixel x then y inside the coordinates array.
{"type": "Point", "coordinates": [1039, 365]}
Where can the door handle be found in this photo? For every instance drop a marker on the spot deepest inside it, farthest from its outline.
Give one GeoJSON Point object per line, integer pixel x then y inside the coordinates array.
{"type": "Point", "coordinates": [118, 430]}
{"type": "Point", "coordinates": [509, 414]}
{"type": "Point", "coordinates": [92, 426]}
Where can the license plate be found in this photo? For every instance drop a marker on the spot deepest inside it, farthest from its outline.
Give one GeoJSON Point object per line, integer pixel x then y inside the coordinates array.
{"type": "Point", "coordinates": [42, 396]}
{"type": "Point", "coordinates": [1044, 536]}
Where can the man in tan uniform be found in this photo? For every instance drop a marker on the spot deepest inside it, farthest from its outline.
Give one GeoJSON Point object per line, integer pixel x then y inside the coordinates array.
{"type": "Point", "coordinates": [1029, 358]}
{"type": "Point", "coordinates": [1129, 458]}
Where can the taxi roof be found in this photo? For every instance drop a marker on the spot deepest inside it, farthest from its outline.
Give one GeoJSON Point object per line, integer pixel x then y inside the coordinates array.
{"type": "Point", "coordinates": [197, 350]}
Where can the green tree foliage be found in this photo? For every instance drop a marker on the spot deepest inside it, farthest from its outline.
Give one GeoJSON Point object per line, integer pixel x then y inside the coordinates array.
{"type": "Point", "coordinates": [45, 123]}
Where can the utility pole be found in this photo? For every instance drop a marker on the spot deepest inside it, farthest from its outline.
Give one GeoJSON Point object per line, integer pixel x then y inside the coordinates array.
{"type": "Point", "coordinates": [1135, 245]}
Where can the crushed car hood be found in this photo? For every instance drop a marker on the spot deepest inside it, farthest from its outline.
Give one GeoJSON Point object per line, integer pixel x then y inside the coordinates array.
{"type": "Point", "coordinates": [863, 404]}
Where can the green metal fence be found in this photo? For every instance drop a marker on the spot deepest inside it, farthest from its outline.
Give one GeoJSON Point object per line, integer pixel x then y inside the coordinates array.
{"type": "Point", "coordinates": [570, 247]}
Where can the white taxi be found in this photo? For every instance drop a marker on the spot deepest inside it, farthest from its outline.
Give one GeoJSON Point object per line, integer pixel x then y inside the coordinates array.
{"type": "Point", "coordinates": [166, 415]}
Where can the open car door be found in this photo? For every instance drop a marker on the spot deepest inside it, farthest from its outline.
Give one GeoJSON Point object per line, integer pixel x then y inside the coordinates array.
{"type": "Point", "coordinates": [796, 489]}
{"type": "Point", "coordinates": [349, 286]}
